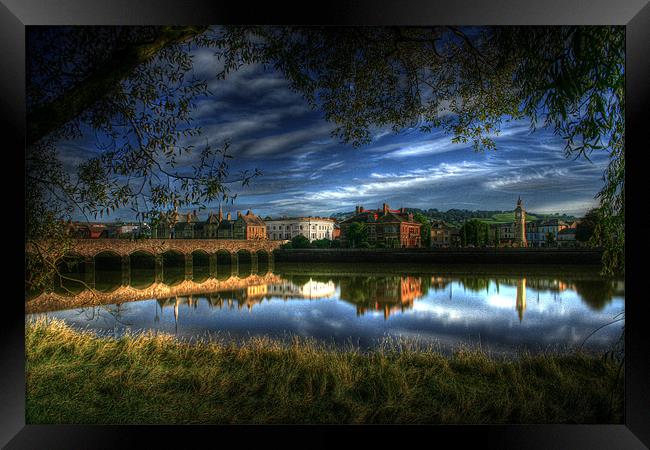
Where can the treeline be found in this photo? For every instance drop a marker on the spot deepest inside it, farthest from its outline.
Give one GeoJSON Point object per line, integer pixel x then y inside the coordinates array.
{"type": "Point", "coordinates": [456, 217]}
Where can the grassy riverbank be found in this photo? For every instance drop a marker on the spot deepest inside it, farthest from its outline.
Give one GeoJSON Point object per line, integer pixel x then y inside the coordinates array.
{"type": "Point", "coordinates": [77, 378]}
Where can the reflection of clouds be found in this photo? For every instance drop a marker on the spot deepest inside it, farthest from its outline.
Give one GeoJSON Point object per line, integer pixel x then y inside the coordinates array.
{"type": "Point", "coordinates": [467, 316]}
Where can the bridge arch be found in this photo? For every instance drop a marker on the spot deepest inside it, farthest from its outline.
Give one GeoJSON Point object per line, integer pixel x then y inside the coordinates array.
{"type": "Point", "coordinates": [224, 257]}
{"type": "Point", "coordinates": [142, 269]}
{"type": "Point", "coordinates": [200, 265]}
{"type": "Point", "coordinates": [263, 262]}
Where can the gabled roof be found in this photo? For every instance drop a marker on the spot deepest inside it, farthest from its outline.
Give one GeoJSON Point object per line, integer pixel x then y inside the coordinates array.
{"type": "Point", "coordinates": [252, 219]}
{"type": "Point", "coordinates": [212, 219]}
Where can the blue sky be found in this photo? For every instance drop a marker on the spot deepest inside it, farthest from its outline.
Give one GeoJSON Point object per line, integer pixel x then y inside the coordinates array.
{"type": "Point", "coordinates": [307, 171]}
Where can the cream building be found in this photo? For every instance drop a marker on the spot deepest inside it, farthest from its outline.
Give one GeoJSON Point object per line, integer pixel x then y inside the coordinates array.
{"type": "Point", "coordinates": [313, 228]}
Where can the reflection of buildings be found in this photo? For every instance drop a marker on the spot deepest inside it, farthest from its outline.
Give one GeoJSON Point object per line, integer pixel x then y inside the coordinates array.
{"type": "Point", "coordinates": [252, 295]}
{"type": "Point", "coordinates": [256, 291]}
{"type": "Point", "coordinates": [311, 289]}
{"type": "Point", "coordinates": [439, 283]}
{"type": "Point", "coordinates": [387, 294]}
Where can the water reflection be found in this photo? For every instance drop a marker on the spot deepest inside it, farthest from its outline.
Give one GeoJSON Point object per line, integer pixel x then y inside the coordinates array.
{"type": "Point", "coordinates": [506, 310]}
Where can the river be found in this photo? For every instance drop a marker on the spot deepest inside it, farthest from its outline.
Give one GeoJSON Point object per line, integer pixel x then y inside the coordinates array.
{"type": "Point", "coordinates": [502, 309]}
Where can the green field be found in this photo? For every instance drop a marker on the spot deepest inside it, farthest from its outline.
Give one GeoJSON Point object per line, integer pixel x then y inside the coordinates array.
{"type": "Point", "coordinates": [509, 217]}
{"type": "Point", "coordinates": [77, 378]}
{"type": "Point", "coordinates": [506, 218]}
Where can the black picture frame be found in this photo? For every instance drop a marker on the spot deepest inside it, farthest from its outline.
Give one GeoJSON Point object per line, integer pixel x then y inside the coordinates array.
{"type": "Point", "coordinates": [15, 15]}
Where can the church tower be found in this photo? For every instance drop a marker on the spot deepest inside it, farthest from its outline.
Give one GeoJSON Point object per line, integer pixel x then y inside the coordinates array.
{"type": "Point", "coordinates": [520, 224]}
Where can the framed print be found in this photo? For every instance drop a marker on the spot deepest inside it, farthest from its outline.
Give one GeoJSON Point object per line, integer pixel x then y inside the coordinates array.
{"type": "Point", "coordinates": [374, 213]}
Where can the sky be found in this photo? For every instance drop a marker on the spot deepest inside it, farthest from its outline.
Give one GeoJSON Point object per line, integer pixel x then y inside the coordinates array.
{"type": "Point", "coordinates": [306, 171]}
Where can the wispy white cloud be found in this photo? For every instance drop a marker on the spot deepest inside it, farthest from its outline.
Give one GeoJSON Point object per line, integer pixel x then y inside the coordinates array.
{"type": "Point", "coordinates": [577, 207]}
{"type": "Point", "coordinates": [390, 182]}
{"type": "Point", "coordinates": [520, 179]}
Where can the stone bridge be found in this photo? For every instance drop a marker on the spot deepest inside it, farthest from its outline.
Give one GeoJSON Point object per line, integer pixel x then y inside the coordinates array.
{"type": "Point", "coordinates": [125, 247]}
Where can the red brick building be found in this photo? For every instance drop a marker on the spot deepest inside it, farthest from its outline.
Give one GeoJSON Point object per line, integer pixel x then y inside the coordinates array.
{"type": "Point", "coordinates": [385, 227]}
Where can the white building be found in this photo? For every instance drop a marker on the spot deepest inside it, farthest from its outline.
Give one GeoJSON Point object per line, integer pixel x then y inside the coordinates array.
{"type": "Point", "coordinates": [313, 228]}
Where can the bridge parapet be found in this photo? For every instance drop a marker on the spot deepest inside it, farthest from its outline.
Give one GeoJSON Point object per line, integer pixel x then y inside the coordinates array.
{"type": "Point", "coordinates": [124, 247]}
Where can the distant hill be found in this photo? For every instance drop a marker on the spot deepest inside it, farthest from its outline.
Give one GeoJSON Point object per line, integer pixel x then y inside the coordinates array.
{"type": "Point", "coordinates": [456, 217]}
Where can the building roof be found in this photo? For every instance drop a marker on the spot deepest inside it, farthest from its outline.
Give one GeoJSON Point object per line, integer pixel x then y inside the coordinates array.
{"type": "Point", "coordinates": [212, 218]}
{"type": "Point", "coordinates": [385, 215]}
{"type": "Point", "coordinates": [297, 219]}
{"type": "Point", "coordinates": [252, 219]}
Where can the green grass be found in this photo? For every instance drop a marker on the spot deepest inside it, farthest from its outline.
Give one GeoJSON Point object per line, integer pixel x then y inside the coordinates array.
{"type": "Point", "coordinates": [75, 377]}
{"type": "Point", "coordinates": [508, 217]}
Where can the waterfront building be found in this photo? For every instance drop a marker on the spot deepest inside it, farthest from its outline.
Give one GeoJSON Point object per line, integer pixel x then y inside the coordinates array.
{"type": "Point", "coordinates": [386, 227]}
{"type": "Point", "coordinates": [506, 232]}
{"type": "Point", "coordinates": [211, 225]}
{"type": "Point", "coordinates": [533, 234]}
{"type": "Point", "coordinates": [336, 233]}
{"type": "Point", "coordinates": [443, 235]}
{"type": "Point", "coordinates": [245, 226]}
{"type": "Point", "coordinates": [567, 237]}
{"type": "Point", "coordinates": [97, 230]}
{"type": "Point", "coordinates": [254, 226]}
{"type": "Point", "coordinates": [90, 230]}
{"type": "Point", "coordinates": [232, 229]}
{"type": "Point", "coordinates": [185, 228]}
{"type": "Point", "coordinates": [552, 227]}
{"type": "Point", "coordinates": [313, 228]}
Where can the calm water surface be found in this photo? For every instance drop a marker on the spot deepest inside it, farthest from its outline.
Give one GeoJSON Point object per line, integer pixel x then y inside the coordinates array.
{"type": "Point", "coordinates": [501, 310]}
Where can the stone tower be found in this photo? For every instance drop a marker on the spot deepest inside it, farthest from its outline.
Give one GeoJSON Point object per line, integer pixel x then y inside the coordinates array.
{"type": "Point", "coordinates": [520, 224]}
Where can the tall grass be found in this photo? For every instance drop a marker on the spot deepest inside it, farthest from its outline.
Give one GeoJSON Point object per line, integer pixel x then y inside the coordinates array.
{"type": "Point", "coordinates": [76, 377]}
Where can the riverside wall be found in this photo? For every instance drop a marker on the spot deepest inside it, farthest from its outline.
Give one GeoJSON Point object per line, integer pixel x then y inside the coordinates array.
{"type": "Point", "coordinates": [443, 256]}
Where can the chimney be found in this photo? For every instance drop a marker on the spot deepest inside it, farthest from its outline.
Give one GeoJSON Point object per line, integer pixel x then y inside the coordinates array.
{"type": "Point", "coordinates": [385, 209]}
{"type": "Point", "coordinates": [228, 217]}
{"type": "Point", "coordinates": [220, 214]}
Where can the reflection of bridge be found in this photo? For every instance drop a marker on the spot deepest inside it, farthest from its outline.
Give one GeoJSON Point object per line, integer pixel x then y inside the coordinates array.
{"type": "Point", "coordinates": [53, 301]}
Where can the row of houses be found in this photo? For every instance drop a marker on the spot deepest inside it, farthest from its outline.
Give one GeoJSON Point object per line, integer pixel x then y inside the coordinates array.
{"type": "Point", "coordinates": [561, 233]}
{"type": "Point", "coordinates": [189, 226]}
{"type": "Point", "coordinates": [384, 227]}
